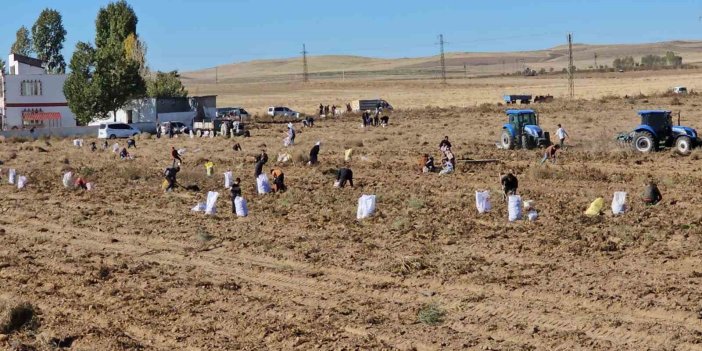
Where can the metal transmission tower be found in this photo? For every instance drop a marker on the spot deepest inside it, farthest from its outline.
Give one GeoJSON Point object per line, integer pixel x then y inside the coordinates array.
{"type": "Point", "coordinates": [305, 73]}
{"type": "Point", "coordinates": [443, 59]}
{"type": "Point", "coordinates": [596, 67]}
{"type": "Point", "coordinates": [571, 68]}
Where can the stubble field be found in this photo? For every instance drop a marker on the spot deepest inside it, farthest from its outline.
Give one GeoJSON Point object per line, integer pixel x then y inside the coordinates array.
{"type": "Point", "coordinates": [127, 267]}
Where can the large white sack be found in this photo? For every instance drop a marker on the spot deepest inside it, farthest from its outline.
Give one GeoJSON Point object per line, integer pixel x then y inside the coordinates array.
{"type": "Point", "coordinates": [482, 201]}
{"type": "Point", "coordinates": [514, 207]}
{"type": "Point", "coordinates": [366, 206]}
{"type": "Point", "coordinates": [262, 184]}
{"type": "Point", "coordinates": [67, 179]}
{"type": "Point", "coordinates": [286, 141]}
{"type": "Point", "coordinates": [619, 202]}
{"type": "Point", "coordinates": [199, 207]}
{"type": "Point", "coordinates": [532, 215]}
{"type": "Point", "coordinates": [240, 207]}
{"type": "Point", "coordinates": [78, 142]}
{"type": "Point", "coordinates": [115, 147]}
{"type": "Point", "coordinates": [191, 134]}
{"type": "Point", "coordinates": [211, 205]}
{"type": "Point", "coordinates": [227, 179]}
{"type": "Point", "coordinates": [11, 175]}
{"type": "Point", "coordinates": [21, 182]}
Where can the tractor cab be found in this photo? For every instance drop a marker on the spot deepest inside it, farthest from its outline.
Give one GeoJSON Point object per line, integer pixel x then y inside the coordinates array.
{"type": "Point", "coordinates": [657, 131]}
{"type": "Point", "coordinates": [522, 130]}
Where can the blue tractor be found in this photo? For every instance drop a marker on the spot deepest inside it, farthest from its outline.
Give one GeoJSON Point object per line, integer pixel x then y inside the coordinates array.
{"type": "Point", "coordinates": [657, 131]}
{"type": "Point", "coordinates": [523, 131]}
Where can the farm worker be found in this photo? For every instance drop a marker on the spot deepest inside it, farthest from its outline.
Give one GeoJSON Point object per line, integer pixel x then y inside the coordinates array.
{"type": "Point", "coordinates": [551, 153]}
{"type": "Point", "coordinates": [445, 144]}
{"type": "Point", "coordinates": [258, 169]}
{"type": "Point", "coordinates": [509, 184]}
{"type": "Point", "coordinates": [384, 121]}
{"type": "Point", "coordinates": [314, 153]}
{"type": "Point", "coordinates": [321, 110]}
{"type": "Point", "coordinates": [278, 180]}
{"type": "Point", "coordinates": [333, 110]}
{"type": "Point", "coordinates": [562, 135]}
{"type": "Point", "coordinates": [236, 192]}
{"type": "Point", "coordinates": [131, 143]}
{"type": "Point", "coordinates": [263, 157]}
{"type": "Point", "coordinates": [80, 183]}
{"type": "Point", "coordinates": [364, 118]}
{"type": "Point", "coordinates": [124, 154]}
{"type": "Point", "coordinates": [170, 131]}
{"type": "Point", "coordinates": [348, 108]}
{"type": "Point", "coordinates": [449, 157]}
{"type": "Point", "coordinates": [170, 174]}
{"type": "Point", "coordinates": [651, 195]}
{"type": "Point", "coordinates": [176, 156]}
{"type": "Point", "coordinates": [376, 120]}
{"type": "Point", "coordinates": [291, 133]}
{"type": "Point", "coordinates": [158, 131]}
{"type": "Point", "coordinates": [236, 147]}
{"type": "Point", "coordinates": [209, 168]}
{"type": "Point", "coordinates": [93, 147]}
{"type": "Point", "coordinates": [104, 145]}
{"type": "Point", "coordinates": [344, 175]}
{"type": "Point", "coordinates": [224, 129]}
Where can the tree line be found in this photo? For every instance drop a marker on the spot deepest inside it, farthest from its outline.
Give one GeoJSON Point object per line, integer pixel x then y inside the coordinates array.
{"type": "Point", "coordinates": [104, 75]}
{"type": "Point", "coordinates": [648, 61]}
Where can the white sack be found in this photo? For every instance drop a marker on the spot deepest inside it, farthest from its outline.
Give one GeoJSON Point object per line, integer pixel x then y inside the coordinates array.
{"type": "Point", "coordinates": [227, 179]}
{"type": "Point", "coordinates": [619, 202]}
{"type": "Point", "coordinates": [532, 215]}
{"type": "Point", "coordinates": [262, 184]}
{"type": "Point", "coordinates": [11, 175]}
{"type": "Point", "coordinates": [21, 182]}
{"type": "Point", "coordinates": [366, 206]}
{"type": "Point", "coordinates": [89, 186]}
{"type": "Point", "coordinates": [482, 201]}
{"type": "Point", "coordinates": [67, 179]}
{"type": "Point", "coordinates": [199, 207]}
{"type": "Point", "coordinates": [514, 207]}
{"type": "Point", "coordinates": [240, 207]}
{"type": "Point", "coordinates": [191, 134]}
{"type": "Point", "coordinates": [211, 206]}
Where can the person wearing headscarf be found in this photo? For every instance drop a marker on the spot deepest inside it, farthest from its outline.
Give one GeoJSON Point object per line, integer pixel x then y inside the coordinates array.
{"type": "Point", "coordinates": [314, 153]}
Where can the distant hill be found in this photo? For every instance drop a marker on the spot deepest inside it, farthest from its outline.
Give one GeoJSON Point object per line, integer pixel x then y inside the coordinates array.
{"type": "Point", "coordinates": [476, 63]}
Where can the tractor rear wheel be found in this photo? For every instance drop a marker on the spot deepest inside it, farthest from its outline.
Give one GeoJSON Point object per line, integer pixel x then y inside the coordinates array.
{"type": "Point", "coordinates": [644, 142]}
{"type": "Point", "coordinates": [507, 140]}
{"type": "Point", "coordinates": [527, 142]}
{"type": "Point", "coordinates": [683, 145]}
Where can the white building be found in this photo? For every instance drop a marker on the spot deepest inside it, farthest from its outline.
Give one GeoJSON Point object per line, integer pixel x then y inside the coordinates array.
{"type": "Point", "coordinates": [29, 97]}
{"type": "Point", "coordinates": [157, 110]}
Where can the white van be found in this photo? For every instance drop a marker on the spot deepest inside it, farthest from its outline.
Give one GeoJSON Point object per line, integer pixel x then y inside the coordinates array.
{"type": "Point", "coordinates": [282, 111]}
{"type": "Point", "coordinates": [680, 90]}
{"type": "Point", "coordinates": [116, 130]}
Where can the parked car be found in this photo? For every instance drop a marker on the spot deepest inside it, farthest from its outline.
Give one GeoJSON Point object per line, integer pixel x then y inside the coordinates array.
{"type": "Point", "coordinates": [178, 127]}
{"type": "Point", "coordinates": [680, 90]}
{"type": "Point", "coordinates": [282, 111]}
{"type": "Point", "coordinates": [232, 112]}
{"type": "Point", "coordinates": [116, 130]}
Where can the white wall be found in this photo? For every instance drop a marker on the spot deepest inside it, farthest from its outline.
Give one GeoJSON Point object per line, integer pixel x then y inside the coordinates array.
{"type": "Point", "coordinates": [143, 110]}
{"type": "Point", "coordinates": [21, 68]}
{"type": "Point", "coordinates": [51, 99]}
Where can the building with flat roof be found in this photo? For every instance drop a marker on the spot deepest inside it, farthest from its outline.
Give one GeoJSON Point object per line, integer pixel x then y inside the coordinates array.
{"type": "Point", "coordinates": [32, 98]}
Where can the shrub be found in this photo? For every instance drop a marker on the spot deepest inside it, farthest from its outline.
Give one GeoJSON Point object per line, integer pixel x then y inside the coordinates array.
{"type": "Point", "coordinates": [431, 314]}
{"type": "Point", "coordinates": [415, 203]}
{"type": "Point", "coordinates": [14, 317]}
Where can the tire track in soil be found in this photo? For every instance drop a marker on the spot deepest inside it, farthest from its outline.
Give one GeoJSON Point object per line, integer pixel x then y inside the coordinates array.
{"type": "Point", "coordinates": [568, 321]}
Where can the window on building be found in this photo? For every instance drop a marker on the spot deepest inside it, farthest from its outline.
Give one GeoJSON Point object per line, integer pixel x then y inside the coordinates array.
{"type": "Point", "coordinates": [30, 88]}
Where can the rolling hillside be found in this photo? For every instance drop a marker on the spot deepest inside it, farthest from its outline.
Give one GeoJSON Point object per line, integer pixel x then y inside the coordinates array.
{"type": "Point", "coordinates": [476, 63]}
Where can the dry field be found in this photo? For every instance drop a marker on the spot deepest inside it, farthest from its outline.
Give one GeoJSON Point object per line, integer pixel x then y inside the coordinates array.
{"type": "Point", "coordinates": [127, 267]}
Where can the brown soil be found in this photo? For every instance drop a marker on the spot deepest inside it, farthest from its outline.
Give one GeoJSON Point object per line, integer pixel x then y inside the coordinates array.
{"type": "Point", "coordinates": [127, 267]}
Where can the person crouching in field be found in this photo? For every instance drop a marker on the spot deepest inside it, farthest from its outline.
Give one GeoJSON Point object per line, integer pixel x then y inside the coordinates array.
{"type": "Point", "coordinates": [651, 195]}
{"type": "Point", "coordinates": [278, 180]}
{"type": "Point", "coordinates": [343, 175]}
{"type": "Point", "coordinates": [509, 184]}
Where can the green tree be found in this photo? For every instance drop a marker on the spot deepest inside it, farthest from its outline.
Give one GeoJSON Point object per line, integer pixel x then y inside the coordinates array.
{"type": "Point", "coordinates": [136, 51]}
{"type": "Point", "coordinates": [78, 88]}
{"type": "Point", "coordinates": [115, 22]}
{"type": "Point", "coordinates": [2, 66]}
{"type": "Point", "coordinates": [165, 84]}
{"type": "Point", "coordinates": [112, 78]}
{"type": "Point", "coordinates": [23, 43]}
{"type": "Point", "coordinates": [48, 35]}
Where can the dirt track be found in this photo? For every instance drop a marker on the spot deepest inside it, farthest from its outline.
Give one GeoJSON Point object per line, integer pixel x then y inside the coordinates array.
{"type": "Point", "coordinates": [127, 267]}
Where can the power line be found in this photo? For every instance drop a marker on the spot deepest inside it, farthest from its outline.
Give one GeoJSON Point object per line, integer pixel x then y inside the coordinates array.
{"type": "Point", "coordinates": [571, 68]}
{"type": "Point", "coordinates": [443, 59]}
{"type": "Point", "coordinates": [305, 73]}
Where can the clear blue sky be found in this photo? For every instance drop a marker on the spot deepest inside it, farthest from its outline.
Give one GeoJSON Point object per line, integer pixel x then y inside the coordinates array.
{"type": "Point", "coordinates": [188, 35]}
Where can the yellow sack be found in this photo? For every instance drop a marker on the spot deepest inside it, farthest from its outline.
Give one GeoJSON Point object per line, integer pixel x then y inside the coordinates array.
{"type": "Point", "coordinates": [595, 207]}
{"type": "Point", "coordinates": [164, 185]}
{"type": "Point", "coordinates": [347, 155]}
{"type": "Point", "coordinates": [209, 166]}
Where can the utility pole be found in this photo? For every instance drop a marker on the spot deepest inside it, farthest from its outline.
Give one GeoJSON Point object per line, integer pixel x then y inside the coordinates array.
{"type": "Point", "coordinates": [503, 67]}
{"type": "Point", "coordinates": [443, 59]}
{"type": "Point", "coordinates": [305, 73]}
{"type": "Point", "coordinates": [596, 66]}
{"type": "Point", "coordinates": [216, 75]}
{"type": "Point", "coordinates": [571, 68]}
{"type": "Point", "coordinates": [465, 70]}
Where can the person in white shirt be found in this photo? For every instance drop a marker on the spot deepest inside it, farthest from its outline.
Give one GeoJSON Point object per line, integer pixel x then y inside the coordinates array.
{"type": "Point", "coordinates": [562, 135]}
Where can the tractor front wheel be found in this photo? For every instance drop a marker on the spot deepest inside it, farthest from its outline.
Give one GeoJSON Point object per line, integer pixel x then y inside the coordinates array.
{"type": "Point", "coordinates": [507, 140]}
{"type": "Point", "coordinates": [644, 142]}
{"type": "Point", "coordinates": [683, 145]}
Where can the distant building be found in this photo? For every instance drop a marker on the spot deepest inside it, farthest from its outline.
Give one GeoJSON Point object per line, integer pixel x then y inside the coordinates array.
{"type": "Point", "coordinates": [30, 97]}
{"type": "Point", "coordinates": [155, 110]}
